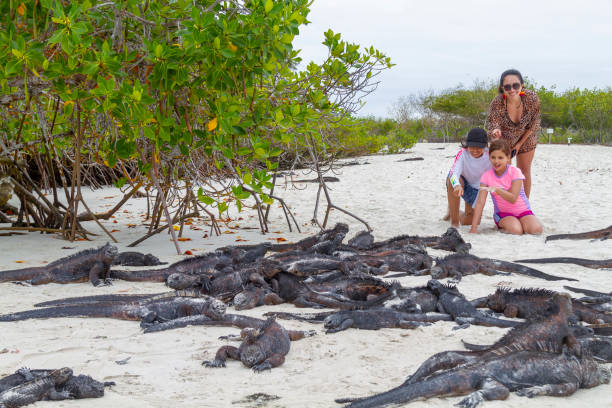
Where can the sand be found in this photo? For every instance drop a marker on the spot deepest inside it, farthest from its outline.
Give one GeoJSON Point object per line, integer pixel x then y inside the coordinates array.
{"type": "Point", "coordinates": [571, 193]}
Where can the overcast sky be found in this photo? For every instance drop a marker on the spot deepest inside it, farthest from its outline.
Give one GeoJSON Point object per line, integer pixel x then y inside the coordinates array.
{"type": "Point", "coordinates": [438, 44]}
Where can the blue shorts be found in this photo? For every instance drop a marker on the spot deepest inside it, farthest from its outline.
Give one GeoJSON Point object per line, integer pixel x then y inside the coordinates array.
{"type": "Point", "coordinates": [470, 194]}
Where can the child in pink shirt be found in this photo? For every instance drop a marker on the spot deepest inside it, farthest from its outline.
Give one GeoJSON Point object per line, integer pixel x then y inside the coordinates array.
{"type": "Point", "coordinates": [512, 212]}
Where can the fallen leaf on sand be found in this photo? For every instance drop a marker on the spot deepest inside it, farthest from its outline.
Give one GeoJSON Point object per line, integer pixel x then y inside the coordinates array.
{"type": "Point", "coordinates": [115, 230]}
{"type": "Point", "coordinates": [228, 232]}
{"type": "Point", "coordinates": [114, 221]}
{"type": "Point", "coordinates": [188, 252]}
{"type": "Point", "coordinates": [241, 240]}
{"type": "Point", "coordinates": [279, 239]}
{"type": "Point", "coordinates": [131, 225]}
{"type": "Point", "coordinates": [183, 239]}
{"type": "Point", "coordinates": [19, 261]}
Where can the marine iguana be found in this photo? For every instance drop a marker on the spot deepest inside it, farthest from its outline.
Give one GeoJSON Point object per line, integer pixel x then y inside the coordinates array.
{"type": "Point", "coordinates": [355, 292]}
{"type": "Point", "coordinates": [530, 303]}
{"type": "Point", "coordinates": [587, 292]}
{"type": "Point", "coordinates": [527, 373]}
{"type": "Point", "coordinates": [137, 259]}
{"type": "Point", "coordinates": [370, 319]}
{"type": "Point", "coordinates": [79, 387]}
{"type": "Point", "coordinates": [463, 312]}
{"type": "Point", "coordinates": [597, 234]}
{"type": "Point", "coordinates": [550, 333]}
{"type": "Point", "coordinates": [265, 343]}
{"type": "Point", "coordinates": [587, 263]}
{"type": "Point", "coordinates": [597, 347]}
{"type": "Point", "coordinates": [149, 312]}
{"type": "Point", "coordinates": [89, 264]}
{"type": "Point", "coordinates": [206, 264]}
{"type": "Point", "coordinates": [118, 298]}
{"type": "Point", "coordinates": [253, 296]}
{"type": "Point", "coordinates": [225, 284]}
{"type": "Point", "coordinates": [263, 348]}
{"type": "Point", "coordinates": [195, 265]}
{"type": "Point", "coordinates": [306, 243]}
{"type": "Point", "coordinates": [451, 240]}
{"type": "Point", "coordinates": [37, 390]}
{"type": "Point", "coordinates": [457, 265]}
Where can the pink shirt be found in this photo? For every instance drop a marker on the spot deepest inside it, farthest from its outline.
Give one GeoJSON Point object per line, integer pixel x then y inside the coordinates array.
{"type": "Point", "coordinates": [490, 179]}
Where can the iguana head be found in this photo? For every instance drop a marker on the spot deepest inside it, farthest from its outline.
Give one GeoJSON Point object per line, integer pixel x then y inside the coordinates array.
{"type": "Point", "coordinates": [110, 252]}
{"type": "Point", "coordinates": [61, 376]}
{"type": "Point", "coordinates": [593, 374]}
{"type": "Point", "coordinates": [247, 298]}
{"type": "Point", "coordinates": [252, 354]}
{"type": "Point", "coordinates": [497, 301]}
{"type": "Point", "coordinates": [564, 302]}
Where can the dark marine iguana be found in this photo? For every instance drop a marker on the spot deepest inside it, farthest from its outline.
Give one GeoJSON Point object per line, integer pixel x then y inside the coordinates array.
{"type": "Point", "coordinates": [230, 281]}
{"type": "Point", "coordinates": [531, 303]}
{"type": "Point", "coordinates": [587, 263]}
{"type": "Point", "coordinates": [347, 293]}
{"type": "Point", "coordinates": [89, 264]}
{"type": "Point", "coordinates": [307, 243]}
{"type": "Point", "coordinates": [265, 343]}
{"type": "Point", "coordinates": [452, 302]}
{"type": "Point", "coordinates": [253, 296]}
{"type": "Point", "coordinates": [262, 348]}
{"type": "Point", "coordinates": [597, 347]}
{"type": "Point", "coordinates": [204, 265]}
{"type": "Point", "coordinates": [597, 234]}
{"type": "Point", "coordinates": [369, 319]}
{"type": "Point", "coordinates": [137, 259]}
{"type": "Point", "coordinates": [451, 240]}
{"type": "Point", "coordinates": [37, 389]}
{"type": "Point", "coordinates": [550, 333]}
{"type": "Point", "coordinates": [527, 373]}
{"type": "Point", "coordinates": [457, 265]}
{"type": "Point", "coordinates": [159, 309]}
{"type": "Point", "coordinates": [79, 387]}
{"type": "Point", "coordinates": [119, 298]}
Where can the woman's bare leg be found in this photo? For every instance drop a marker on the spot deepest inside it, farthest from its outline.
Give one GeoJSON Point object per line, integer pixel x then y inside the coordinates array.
{"type": "Point", "coordinates": [523, 162]}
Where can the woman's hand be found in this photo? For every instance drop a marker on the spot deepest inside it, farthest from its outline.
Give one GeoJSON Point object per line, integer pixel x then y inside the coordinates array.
{"type": "Point", "coordinates": [473, 230]}
{"type": "Point", "coordinates": [496, 134]}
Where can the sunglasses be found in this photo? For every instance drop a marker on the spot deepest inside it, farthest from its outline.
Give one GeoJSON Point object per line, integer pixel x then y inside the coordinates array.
{"type": "Point", "coordinates": [516, 86]}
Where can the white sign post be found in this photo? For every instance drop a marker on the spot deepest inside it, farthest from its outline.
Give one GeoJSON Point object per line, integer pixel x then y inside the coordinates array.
{"type": "Point", "coordinates": [550, 132]}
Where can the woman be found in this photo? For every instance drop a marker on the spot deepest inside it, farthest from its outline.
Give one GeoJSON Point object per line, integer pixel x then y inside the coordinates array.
{"type": "Point", "coordinates": [514, 115]}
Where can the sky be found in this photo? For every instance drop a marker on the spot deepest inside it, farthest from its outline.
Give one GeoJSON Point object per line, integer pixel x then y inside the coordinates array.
{"type": "Point", "coordinates": [439, 44]}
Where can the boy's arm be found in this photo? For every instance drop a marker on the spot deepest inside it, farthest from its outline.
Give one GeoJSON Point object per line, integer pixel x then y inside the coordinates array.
{"type": "Point", "coordinates": [455, 175]}
{"type": "Point", "coordinates": [510, 195]}
{"type": "Point", "coordinates": [480, 203]}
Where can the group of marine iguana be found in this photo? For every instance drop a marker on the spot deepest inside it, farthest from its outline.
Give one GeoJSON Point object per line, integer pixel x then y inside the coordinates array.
{"type": "Point", "coordinates": [322, 272]}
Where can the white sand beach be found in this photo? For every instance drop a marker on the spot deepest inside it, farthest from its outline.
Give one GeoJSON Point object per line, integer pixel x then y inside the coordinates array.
{"type": "Point", "coordinates": [572, 192]}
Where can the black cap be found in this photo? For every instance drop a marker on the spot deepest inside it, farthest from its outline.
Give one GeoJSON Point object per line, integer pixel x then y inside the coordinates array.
{"type": "Point", "coordinates": [477, 137]}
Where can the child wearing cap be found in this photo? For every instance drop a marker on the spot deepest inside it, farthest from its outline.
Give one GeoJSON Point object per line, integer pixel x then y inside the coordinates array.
{"type": "Point", "coordinates": [463, 180]}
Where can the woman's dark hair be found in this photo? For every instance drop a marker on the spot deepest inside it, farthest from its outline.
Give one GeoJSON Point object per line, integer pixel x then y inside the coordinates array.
{"type": "Point", "coordinates": [499, 144]}
{"type": "Point", "coordinates": [504, 74]}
